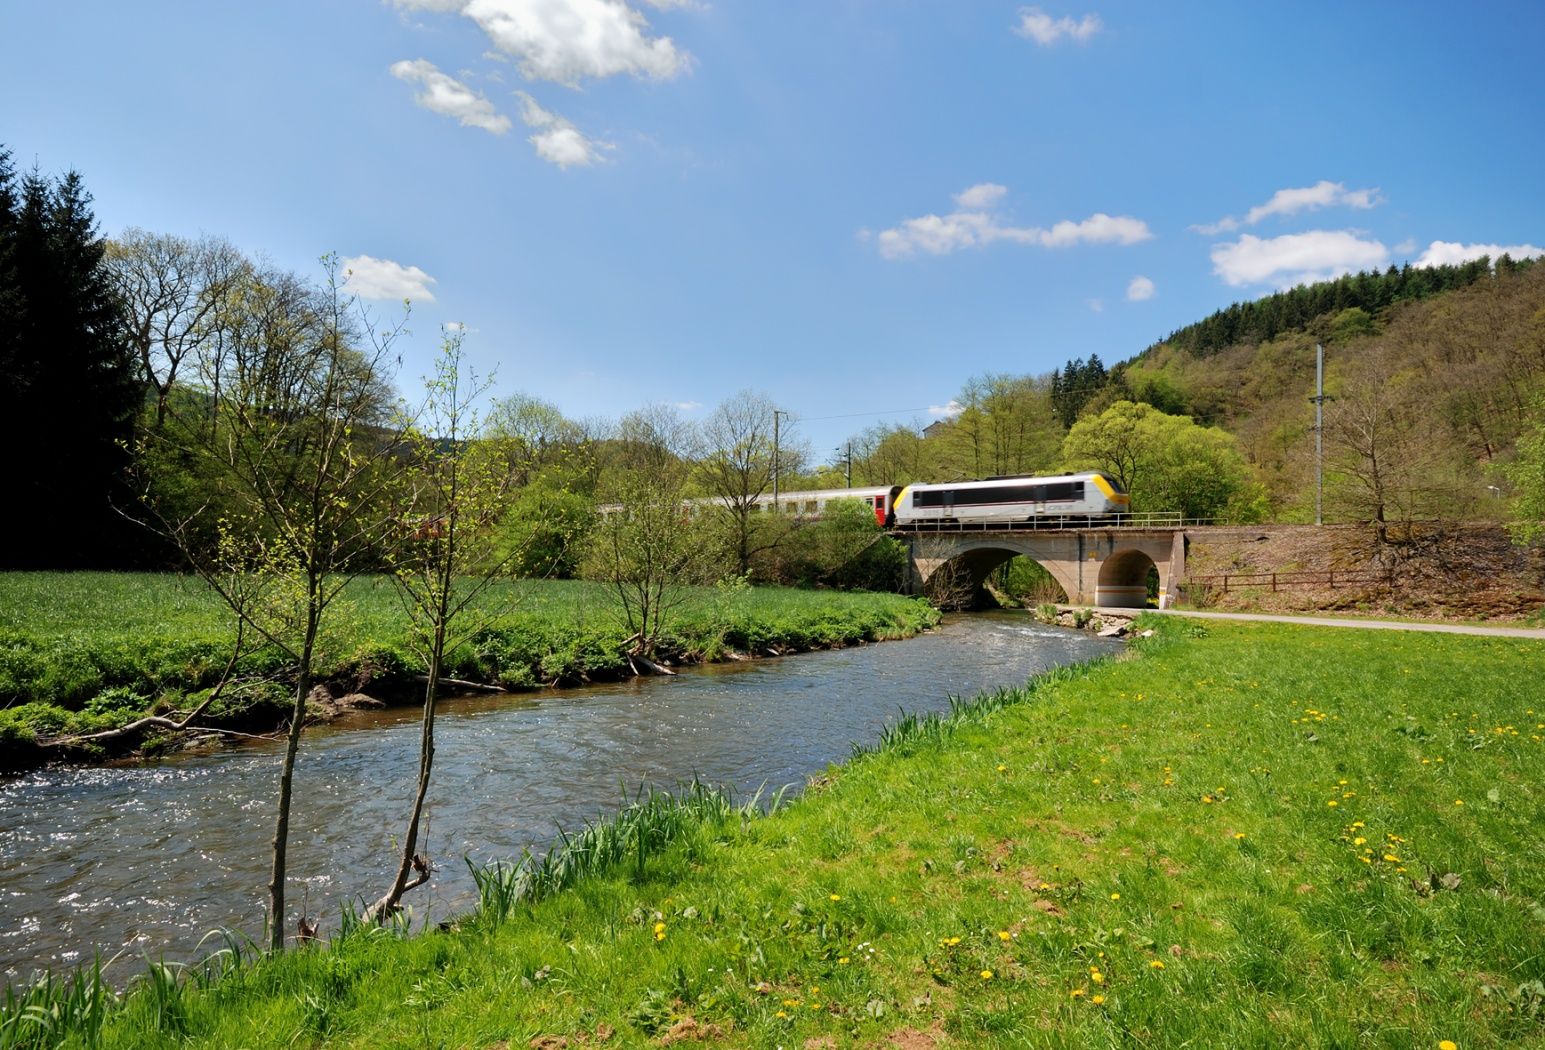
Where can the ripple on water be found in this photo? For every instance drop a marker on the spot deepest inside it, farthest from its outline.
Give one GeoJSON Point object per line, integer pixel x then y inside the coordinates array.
{"type": "Point", "coordinates": [155, 856]}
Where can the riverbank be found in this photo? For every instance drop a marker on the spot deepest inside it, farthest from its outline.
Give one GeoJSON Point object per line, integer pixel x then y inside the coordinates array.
{"type": "Point", "coordinates": [1247, 834]}
{"type": "Point", "coordinates": [86, 652]}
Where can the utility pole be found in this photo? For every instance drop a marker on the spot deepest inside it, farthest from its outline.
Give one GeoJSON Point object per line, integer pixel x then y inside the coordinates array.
{"type": "Point", "coordinates": [1319, 434]}
{"type": "Point", "coordinates": [777, 414]}
{"type": "Point", "coordinates": [847, 461]}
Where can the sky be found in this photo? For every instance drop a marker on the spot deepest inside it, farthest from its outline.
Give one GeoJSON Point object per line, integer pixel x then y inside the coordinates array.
{"type": "Point", "coordinates": [851, 206]}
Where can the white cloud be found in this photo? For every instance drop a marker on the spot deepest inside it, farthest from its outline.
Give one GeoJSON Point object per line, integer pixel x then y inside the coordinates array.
{"type": "Point", "coordinates": [1323, 194]}
{"type": "Point", "coordinates": [949, 411]}
{"type": "Point", "coordinates": [445, 94]}
{"type": "Point", "coordinates": [438, 6]}
{"type": "Point", "coordinates": [687, 406]}
{"type": "Point", "coordinates": [1452, 253]}
{"type": "Point", "coordinates": [1141, 288]}
{"type": "Point", "coordinates": [372, 278]}
{"type": "Point", "coordinates": [567, 40]}
{"type": "Point", "coordinates": [1296, 258]}
{"type": "Point", "coordinates": [558, 141]}
{"type": "Point", "coordinates": [974, 224]}
{"type": "Point", "coordinates": [1037, 25]}
{"type": "Point", "coordinates": [982, 195]}
{"type": "Point", "coordinates": [1096, 305]}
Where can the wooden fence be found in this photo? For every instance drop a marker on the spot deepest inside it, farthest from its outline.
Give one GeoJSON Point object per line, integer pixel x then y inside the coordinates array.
{"type": "Point", "coordinates": [1276, 581]}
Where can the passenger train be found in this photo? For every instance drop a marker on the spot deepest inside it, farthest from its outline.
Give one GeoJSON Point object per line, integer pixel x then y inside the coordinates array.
{"type": "Point", "coordinates": [1091, 495]}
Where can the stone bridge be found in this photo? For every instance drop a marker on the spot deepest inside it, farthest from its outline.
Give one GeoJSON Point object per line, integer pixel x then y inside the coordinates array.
{"type": "Point", "coordinates": [1096, 566]}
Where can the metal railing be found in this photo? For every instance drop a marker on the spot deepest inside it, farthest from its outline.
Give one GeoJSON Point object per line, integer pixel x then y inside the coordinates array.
{"type": "Point", "coordinates": [1055, 523]}
{"type": "Point", "coordinates": [1275, 581]}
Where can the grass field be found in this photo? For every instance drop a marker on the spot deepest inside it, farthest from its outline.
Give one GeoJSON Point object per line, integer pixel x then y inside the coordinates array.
{"type": "Point", "coordinates": [82, 651]}
{"type": "Point", "coordinates": [1248, 835]}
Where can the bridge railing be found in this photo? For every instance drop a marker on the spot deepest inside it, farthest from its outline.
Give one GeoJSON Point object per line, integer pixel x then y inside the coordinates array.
{"type": "Point", "coordinates": [1057, 523]}
{"type": "Point", "coordinates": [1275, 581]}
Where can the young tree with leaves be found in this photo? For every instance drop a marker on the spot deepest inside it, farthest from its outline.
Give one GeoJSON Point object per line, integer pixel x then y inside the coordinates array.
{"type": "Point", "coordinates": [293, 434]}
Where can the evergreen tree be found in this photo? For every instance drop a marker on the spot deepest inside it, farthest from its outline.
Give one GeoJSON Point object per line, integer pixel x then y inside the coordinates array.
{"type": "Point", "coordinates": [67, 386]}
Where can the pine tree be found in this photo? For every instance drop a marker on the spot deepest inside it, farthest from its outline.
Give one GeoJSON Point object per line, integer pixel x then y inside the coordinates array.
{"type": "Point", "coordinates": [68, 391]}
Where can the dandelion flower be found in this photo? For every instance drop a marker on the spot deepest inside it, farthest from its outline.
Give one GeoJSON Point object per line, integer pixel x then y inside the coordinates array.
{"type": "Point", "coordinates": [1097, 999]}
{"type": "Point", "coordinates": [1002, 768]}
{"type": "Point", "coordinates": [1447, 1044]}
{"type": "Point", "coordinates": [1003, 935]}
{"type": "Point", "coordinates": [842, 961]}
{"type": "Point", "coordinates": [1097, 977]}
{"type": "Point", "coordinates": [1239, 834]}
{"type": "Point", "coordinates": [1076, 993]}
{"type": "Point", "coordinates": [1459, 802]}
{"type": "Point", "coordinates": [986, 975]}
{"type": "Point", "coordinates": [1333, 803]}
{"type": "Point", "coordinates": [1156, 964]}
{"type": "Point", "coordinates": [1115, 896]}
{"type": "Point", "coordinates": [835, 897]}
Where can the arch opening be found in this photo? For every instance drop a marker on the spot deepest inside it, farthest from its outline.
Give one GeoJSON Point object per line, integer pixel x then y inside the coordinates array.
{"type": "Point", "coordinates": [1124, 581]}
{"type": "Point", "coordinates": [963, 581]}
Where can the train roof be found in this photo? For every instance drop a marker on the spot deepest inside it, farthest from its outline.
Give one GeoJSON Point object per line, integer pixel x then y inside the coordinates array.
{"type": "Point", "coordinates": [1007, 479]}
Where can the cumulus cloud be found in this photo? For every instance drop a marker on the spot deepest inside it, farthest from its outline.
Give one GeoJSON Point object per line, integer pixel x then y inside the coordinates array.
{"type": "Point", "coordinates": [1037, 25]}
{"type": "Point", "coordinates": [438, 6]}
{"type": "Point", "coordinates": [445, 94]}
{"type": "Point", "coordinates": [1452, 253]}
{"type": "Point", "coordinates": [372, 278]}
{"type": "Point", "coordinates": [687, 406]}
{"type": "Point", "coordinates": [565, 41]}
{"type": "Point", "coordinates": [947, 411]}
{"type": "Point", "coordinates": [1141, 288]}
{"type": "Point", "coordinates": [557, 140]}
{"type": "Point", "coordinates": [974, 223]}
{"type": "Point", "coordinates": [1296, 258]}
{"type": "Point", "coordinates": [1323, 194]}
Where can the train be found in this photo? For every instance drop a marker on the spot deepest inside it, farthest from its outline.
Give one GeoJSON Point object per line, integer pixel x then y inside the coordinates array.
{"type": "Point", "coordinates": [1092, 495]}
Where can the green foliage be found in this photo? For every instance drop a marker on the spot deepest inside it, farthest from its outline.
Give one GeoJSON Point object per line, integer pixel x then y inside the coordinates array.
{"type": "Point", "coordinates": [1167, 463]}
{"type": "Point", "coordinates": [1368, 293]}
{"type": "Point", "coordinates": [543, 535]}
{"type": "Point", "coordinates": [1527, 473]}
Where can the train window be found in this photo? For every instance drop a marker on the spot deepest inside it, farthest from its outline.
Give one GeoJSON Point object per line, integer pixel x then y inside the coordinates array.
{"type": "Point", "coordinates": [810, 506]}
{"type": "Point", "coordinates": [928, 499]}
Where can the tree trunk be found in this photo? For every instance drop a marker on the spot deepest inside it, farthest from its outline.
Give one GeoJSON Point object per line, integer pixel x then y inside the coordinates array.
{"type": "Point", "coordinates": [286, 785]}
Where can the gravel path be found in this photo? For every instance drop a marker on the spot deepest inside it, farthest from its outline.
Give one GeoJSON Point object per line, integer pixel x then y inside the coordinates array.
{"type": "Point", "coordinates": [1373, 625]}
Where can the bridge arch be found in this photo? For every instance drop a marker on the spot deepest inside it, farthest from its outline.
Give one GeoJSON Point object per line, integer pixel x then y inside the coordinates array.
{"type": "Point", "coordinates": [1123, 580]}
{"type": "Point", "coordinates": [959, 578]}
{"type": "Point", "coordinates": [1100, 566]}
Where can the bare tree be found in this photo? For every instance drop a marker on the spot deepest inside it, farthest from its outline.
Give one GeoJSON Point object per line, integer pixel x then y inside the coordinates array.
{"type": "Point", "coordinates": [648, 548]}
{"type": "Point", "coordinates": [173, 291]}
{"type": "Point", "coordinates": [738, 466]}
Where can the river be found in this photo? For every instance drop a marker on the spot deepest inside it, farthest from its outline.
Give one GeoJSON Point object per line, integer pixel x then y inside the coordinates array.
{"type": "Point", "coordinates": [146, 859]}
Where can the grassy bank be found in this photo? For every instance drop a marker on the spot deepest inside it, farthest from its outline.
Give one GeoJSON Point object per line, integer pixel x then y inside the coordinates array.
{"type": "Point", "coordinates": [1249, 835]}
{"type": "Point", "coordinates": [81, 652]}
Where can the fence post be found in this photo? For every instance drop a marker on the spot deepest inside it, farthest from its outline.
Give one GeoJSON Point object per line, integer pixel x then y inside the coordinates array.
{"type": "Point", "coordinates": [1273, 583]}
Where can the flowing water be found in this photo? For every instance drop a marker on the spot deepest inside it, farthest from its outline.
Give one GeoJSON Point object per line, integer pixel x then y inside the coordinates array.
{"type": "Point", "coordinates": [149, 858]}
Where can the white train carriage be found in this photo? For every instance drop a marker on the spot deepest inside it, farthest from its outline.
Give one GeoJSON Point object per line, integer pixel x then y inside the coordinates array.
{"type": "Point", "coordinates": [1093, 495]}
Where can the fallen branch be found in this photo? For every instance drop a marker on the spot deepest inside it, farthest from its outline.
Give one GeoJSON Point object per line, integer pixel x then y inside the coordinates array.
{"type": "Point", "coordinates": [656, 668]}
{"type": "Point", "coordinates": [462, 683]}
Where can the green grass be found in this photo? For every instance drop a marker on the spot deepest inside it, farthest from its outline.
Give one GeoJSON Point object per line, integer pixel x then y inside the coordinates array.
{"type": "Point", "coordinates": [1185, 825]}
{"type": "Point", "coordinates": [84, 651]}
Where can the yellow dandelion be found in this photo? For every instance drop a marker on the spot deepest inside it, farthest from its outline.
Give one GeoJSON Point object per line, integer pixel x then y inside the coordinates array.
{"type": "Point", "coordinates": [1239, 834]}
{"type": "Point", "coordinates": [1156, 964]}
{"type": "Point", "coordinates": [1447, 1044]}
{"type": "Point", "coordinates": [781, 1013]}
{"type": "Point", "coordinates": [1076, 993]}
{"type": "Point", "coordinates": [1359, 841]}
{"type": "Point", "coordinates": [835, 897]}
{"type": "Point", "coordinates": [1097, 999]}
{"type": "Point", "coordinates": [1459, 802]}
{"type": "Point", "coordinates": [842, 961]}
{"type": "Point", "coordinates": [1333, 803]}
{"type": "Point", "coordinates": [1002, 768]}
{"type": "Point", "coordinates": [1115, 896]}
{"type": "Point", "coordinates": [986, 975]}
{"type": "Point", "coordinates": [1097, 977]}
{"type": "Point", "coordinates": [1392, 858]}
{"type": "Point", "coordinates": [1003, 935]}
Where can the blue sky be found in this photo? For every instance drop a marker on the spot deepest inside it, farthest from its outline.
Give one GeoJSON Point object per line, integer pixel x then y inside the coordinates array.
{"type": "Point", "coordinates": [850, 205]}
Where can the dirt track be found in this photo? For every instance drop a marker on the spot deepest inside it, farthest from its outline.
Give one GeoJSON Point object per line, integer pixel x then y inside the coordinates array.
{"type": "Point", "coordinates": [1375, 625]}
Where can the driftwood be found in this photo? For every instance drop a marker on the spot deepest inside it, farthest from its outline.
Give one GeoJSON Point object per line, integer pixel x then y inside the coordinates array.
{"type": "Point", "coordinates": [462, 683]}
{"type": "Point", "coordinates": [160, 721]}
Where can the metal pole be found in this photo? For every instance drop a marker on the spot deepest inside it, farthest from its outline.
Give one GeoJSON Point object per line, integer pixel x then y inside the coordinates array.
{"type": "Point", "coordinates": [776, 414]}
{"type": "Point", "coordinates": [850, 464]}
{"type": "Point", "coordinates": [1319, 434]}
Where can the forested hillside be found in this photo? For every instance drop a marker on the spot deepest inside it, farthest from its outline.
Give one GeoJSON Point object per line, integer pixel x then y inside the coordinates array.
{"type": "Point", "coordinates": [1434, 375]}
